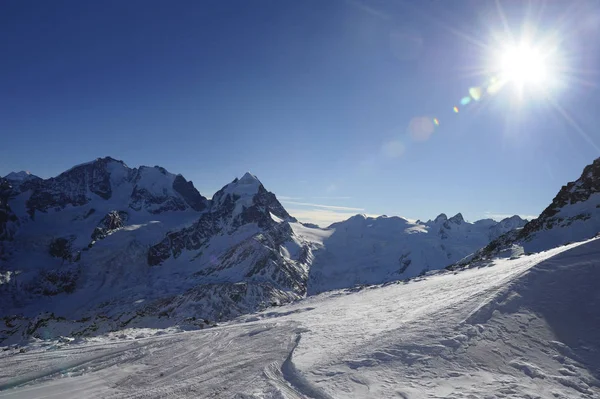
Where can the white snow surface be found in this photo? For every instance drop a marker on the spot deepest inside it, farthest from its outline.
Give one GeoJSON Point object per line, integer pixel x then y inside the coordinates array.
{"type": "Point", "coordinates": [521, 328]}
{"type": "Point", "coordinates": [155, 181]}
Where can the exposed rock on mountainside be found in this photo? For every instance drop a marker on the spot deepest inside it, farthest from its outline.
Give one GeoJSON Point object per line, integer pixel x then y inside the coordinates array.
{"type": "Point", "coordinates": [7, 216]}
{"type": "Point", "coordinates": [152, 189]}
{"type": "Point", "coordinates": [110, 223]}
{"type": "Point", "coordinates": [573, 215]}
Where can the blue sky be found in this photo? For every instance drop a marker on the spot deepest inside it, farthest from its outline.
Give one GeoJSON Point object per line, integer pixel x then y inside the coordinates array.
{"type": "Point", "coordinates": [314, 97]}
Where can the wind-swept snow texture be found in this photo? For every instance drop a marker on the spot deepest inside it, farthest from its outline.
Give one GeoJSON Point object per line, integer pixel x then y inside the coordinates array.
{"type": "Point", "coordinates": [521, 328]}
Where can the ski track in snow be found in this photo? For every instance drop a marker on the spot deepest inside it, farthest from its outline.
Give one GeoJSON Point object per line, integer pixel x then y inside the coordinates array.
{"type": "Point", "coordinates": [469, 334]}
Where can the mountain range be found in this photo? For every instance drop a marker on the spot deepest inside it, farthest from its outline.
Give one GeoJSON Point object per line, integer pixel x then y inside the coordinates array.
{"type": "Point", "coordinates": [103, 246]}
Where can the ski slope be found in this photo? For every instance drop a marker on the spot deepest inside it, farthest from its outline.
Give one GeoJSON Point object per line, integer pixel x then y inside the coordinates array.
{"type": "Point", "coordinates": [526, 327]}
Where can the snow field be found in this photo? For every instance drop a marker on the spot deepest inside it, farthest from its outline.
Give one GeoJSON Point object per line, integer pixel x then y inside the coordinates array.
{"type": "Point", "coordinates": [526, 327]}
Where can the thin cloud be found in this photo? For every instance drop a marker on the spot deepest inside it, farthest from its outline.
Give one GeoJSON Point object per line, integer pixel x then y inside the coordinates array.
{"type": "Point", "coordinates": [331, 188]}
{"type": "Point", "coordinates": [369, 9]}
{"type": "Point", "coordinates": [333, 207]}
{"type": "Point", "coordinates": [322, 217]}
{"type": "Point", "coordinates": [330, 198]}
{"type": "Point", "coordinates": [286, 198]}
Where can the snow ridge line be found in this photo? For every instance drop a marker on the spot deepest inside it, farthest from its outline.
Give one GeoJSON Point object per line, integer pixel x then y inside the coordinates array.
{"type": "Point", "coordinates": [290, 381]}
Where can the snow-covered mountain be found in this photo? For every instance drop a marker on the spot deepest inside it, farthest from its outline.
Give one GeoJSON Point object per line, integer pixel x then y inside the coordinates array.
{"type": "Point", "coordinates": [20, 176]}
{"type": "Point", "coordinates": [365, 250]}
{"type": "Point", "coordinates": [103, 246]}
{"type": "Point", "coordinates": [108, 246]}
{"type": "Point", "coordinates": [573, 215]}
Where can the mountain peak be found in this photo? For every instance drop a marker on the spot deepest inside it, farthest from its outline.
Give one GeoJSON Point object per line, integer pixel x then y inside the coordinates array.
{"type": "Point", "coordinates": [441, 218]}
{"type": "Point", "coordinates": [514, 218]}
{"type": "Point", "coordinates": [103, 162]}
{"type": "Point", "coordinates": [458, 218]}
{"type": "Point", "coordinates": [19, 176]}
{"type": "Point", "coordinates": [249, 178]}
{"type": "Point", "coordinates": [247, 186]}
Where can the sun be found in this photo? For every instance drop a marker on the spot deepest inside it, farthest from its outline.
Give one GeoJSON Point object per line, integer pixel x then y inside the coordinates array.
{"type": "Point", "coordinates": [529, 68]}
{"type": "Point", "coordinates": [524, 65]}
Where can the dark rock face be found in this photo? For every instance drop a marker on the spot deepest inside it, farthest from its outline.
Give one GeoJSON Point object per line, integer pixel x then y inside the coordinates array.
{"type": "Point", "coordinates": [310, 225]}
{"type": "Point", "coordinates": [190, 238]}
{"type": "Point", "coordinates": [441, 218]}
{"type": "Point", "coordinates": [265, 202]}
{"type": "Point", "coordinates": [71, 187]}
{"type": "Point", "coordinates": [110, 223]}
{"type": "Point", "coordinates": [574, 192]}
{"type": "Point", "coordinates": [189, 193]}
{"type": "Point", "coordinates": [220, 219]}
{"type": "Point", "coordinates": [263, 275]}
{"type": "Point", "coordinates": [141, 198]}
{"type": "Point", "coordinates": [8, 220]}
{"type": "Point", "coordinates": [457, 219]}
{"type": "Point", "coordinates": [54, 282]}
{"type": "Point", "coordinates": [6, 214]}
{"type": "Point", "coordinates": [61, 248]}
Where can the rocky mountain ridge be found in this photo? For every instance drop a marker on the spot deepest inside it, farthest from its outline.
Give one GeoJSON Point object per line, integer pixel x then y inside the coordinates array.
{"type": "Point", "coordinates": [573, 215]}
{"type": "Point", "coordinates": [102, 246]}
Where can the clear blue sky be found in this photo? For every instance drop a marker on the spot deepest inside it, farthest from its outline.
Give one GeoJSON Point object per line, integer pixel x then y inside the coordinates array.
{"type": "Point", "coordinates": [314, 97]}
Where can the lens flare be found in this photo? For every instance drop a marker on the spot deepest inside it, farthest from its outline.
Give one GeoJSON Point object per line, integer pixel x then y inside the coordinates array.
{"type": "Point", "coordinates": [420, 128]}
{"type": "Point", "coordinates": [475, 93]}
{"type": "Point", "coordinates": [465, 100]}
{"type": "Point", "coordinates": [436, 122]}
{"type": "Point", "coordinates": [494, 86]}
{"type": "Point", "coordinates": [455, 110]}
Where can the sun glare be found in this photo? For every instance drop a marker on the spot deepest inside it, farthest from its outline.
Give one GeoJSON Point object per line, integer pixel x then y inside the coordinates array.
{"type": "Point", "coordinates": [524, 65]}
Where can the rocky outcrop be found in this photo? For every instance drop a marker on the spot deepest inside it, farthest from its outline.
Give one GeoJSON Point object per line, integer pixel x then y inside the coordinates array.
{"type": "Point", "coordinates": [575, 192]}
{"type": "Point", "coordinates": [113, 221]}
{"type": "Point", "coordinates": [573, 215]}
{"type": "Point", "coordinates": [72, 187]}
{"type": "Point", "coordinates": [152, 189]}
{"type": "Point", "coordinates": [7, 216]}
{"type": "Point", "coordinates": [235, 205]}
{"type": "Point", "coordinates": [189, 193]}
{"type": "Point", "coordinates": [61, 247]}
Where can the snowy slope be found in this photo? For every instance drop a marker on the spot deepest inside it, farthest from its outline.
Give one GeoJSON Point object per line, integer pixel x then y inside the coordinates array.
{"type": "Point", "coordinates": [521, 328]}
{"type": "Point", "coordinates": [365, 250]}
